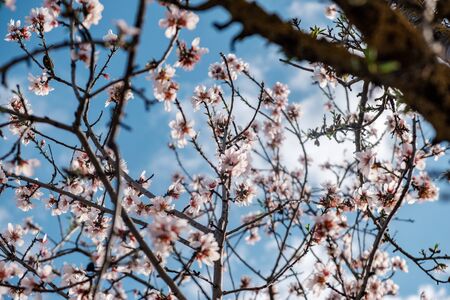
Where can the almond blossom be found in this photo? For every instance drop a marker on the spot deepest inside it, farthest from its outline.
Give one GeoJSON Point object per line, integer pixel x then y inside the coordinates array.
{"type": "Point", "coordinates": [117, 94]}
{"type": "Point", "coordinates": [84, 53]}
{"type": "Point", "coordinates": [426, 189]}
{"type": "Point", "coordinates": [110, 39]}
{"type": "Point", "coordinates": [125, 29]}
{"type": "Point", "coordinates": [218, 71]}
{"type": "Point", "coordinates": [161, 204]}
{"type": "Point", "coordinates": [181, 129]}
{"type": "Point", "coordinates": [233, 66]}
{"type": "Point", "coordinates": [202, 95]}
{"type": "Point", "coordinates": [92, 11]}
{"type": "Point", "coordinates": [20, 166]}
{"type": "Point", "coordinates": [188, 57]}
{"type": "Point", "coordinates": [53, 6]}
{"type": "Point", "coordinates": [24, 194]}
{"type": "Point", "coordinates": [176, 189]}
{"type": "Point", "coordinates": [437, 151]}
{"type": "Point", "coordinates": [253, 237]}
{"type": "Point", "coordinates": [196, 202]}
{"type": "Point", "coordinates": [29, 284]}
{"type": "Point", "coordinates": [237, 184]}
{"type": "Point", "coordinates": [244, 193]}
{"type": "Point", "coordinates": [233, 162]}
{"type": "Point", "coordinates": [45, 273]}
{"type": "Point", "coordinates": [321, 276]}
{"type": "Point", "coordinates": [325, 77]}
{"type": "Point", "coordinates": [14, 235]}
{"type": "Point", "coordinates": [164, 230]}
{"type": "Point", "coordinates": [331, 11]}
{"type": "Point", "coordinates": [366, 159]}
{"type": "Point", "coordinates": [40, 85]}
{"type": "Point", "coordinates": [42, 20]}
{"type": "Point", "coordinates": [207, 249]}
{"type": "Point", "coordinates": [11, 4]}
{"type": "Point", "coordinates": [176, 19]}
{"type": "Point", "coordinates": [5, 271]}
{"type": "Point", "coordinates": [97, 228]}
{"type": "Point", "coordinates": [16, 32]}
{"type": "Point", "coordinates": [60, 206]}
{"type": "Point", "coordinates": [399, 263]}
{"type": "Point", "coordinates": [294, 111]}
{"type": "Point", "coordinates": [165, 89]}
{"type": "Point", "coordinates": [329, 224]}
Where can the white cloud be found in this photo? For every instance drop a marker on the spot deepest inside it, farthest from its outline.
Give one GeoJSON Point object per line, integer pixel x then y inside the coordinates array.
{"type": "Point", "coordinates": [431, 292]}
{"type": "Point", "coordinates": [310, 12]}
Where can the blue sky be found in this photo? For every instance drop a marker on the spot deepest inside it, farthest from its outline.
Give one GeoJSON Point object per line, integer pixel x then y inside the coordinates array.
{"type": "Point", "coordinates": [149, 150]}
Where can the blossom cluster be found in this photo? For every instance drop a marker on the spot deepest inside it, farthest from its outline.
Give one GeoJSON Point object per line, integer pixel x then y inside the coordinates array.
{"type": "Point", "coordinates": [250, 189]}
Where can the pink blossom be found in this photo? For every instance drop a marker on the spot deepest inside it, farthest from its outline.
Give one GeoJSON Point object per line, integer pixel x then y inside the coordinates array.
{"type": "Point", "coordinates": [60, 206]}
{"type": "Point", "coordinates": [84, 53]}
{"type": "Point", "coordinates": [274, 133]}
{"type": "Point", "coordinates": [325, 77]}
{"type": "Point", "coordinates": [202, 95]}
{"type": "Point", "coordinates": [39, 85]}
{"type": "Point", "coordinates": [375, 288]}
{"type": "Point", "coordinates": [92, 10]}
{"type": "Point", "coordinates": [21, 166]}
{"type": "Point", "coordinates": [14, 235]}
{"type": "Point", "coordinates": [381, 262]}
{"type": "Point", "coordinates": [53, 6]}
{"type": "Point", "coordinates": [437, 151]}
{"type": "Point", "coordinates": [176, 189]}
{"type": "Point", "coordinates": [5, 271]}
{"type": "Point", "coordinates": [110, 39]}
{"type": "Point", "coordinates": [45, 273]}
{"type": "Point", "coordinates": [318, 281]}
{"type": "Point", "coordinates": [196, 202]}
{"type": "Point", "coordinates": [16, 32]}
{"type": "Point", "coordinates": [188, 57]}
{"type": "Point", "coordinates": [117, 94]}
{"type": "Point", "coordinates": [399, 263]}
{"type": "Point", "coordinates": [181, 129]}
{"type": "Point", "coordinates": [207, 249]}
{"type": "Point", "coordinates": [331, 11]}
{"type": "Point", "coordinates": [29, 284]}
{"type": "Point", "coordinates": [164, 230]}
{"type": "Point", "coordinates": [280, 91]}
{"type": "Point", "coordinates": [11, 4]}
{"type": "Point", "coordinates": [81, 163]}
{"type": "Point", "coordinates": [329, 224]}
{"type": "Point", "coordinates": [176, 19]}
{"type": "Point", "coordinates": [233, 66]}
{"type": "Point", "coordinates": [125, 29]}
{"type": "Point", "coordinates": [253, 237]}
{"type": "Point", "coordinates": [97, 228]}
{"type": "Point", "coordinates": [233, 162]}
{"type": "Point", "coordinates": [3, 178]}
{"type": "Point", "coordinates": [294, 111]}
{"type": "Point", "coordinates": [217, 71]}
{"type": "Point", "coordinates": [42, 19]}
{"type": "Point", "coordinates": [165, 90]}
{"type": "Point", "coordinates": [160, 205]}
{"type": "Point", "coordinates": [366, 159]}
{"type": "Point", "coordinates": [244, 193]}
{"type": "Point", "coordinates": [24, 194]}
{"type": "Point", "coordinates": [426, 190]}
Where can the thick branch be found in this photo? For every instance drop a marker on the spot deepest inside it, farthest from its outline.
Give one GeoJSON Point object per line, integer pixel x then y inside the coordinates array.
{"type": "Point", "coordinates": [423, 80]}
